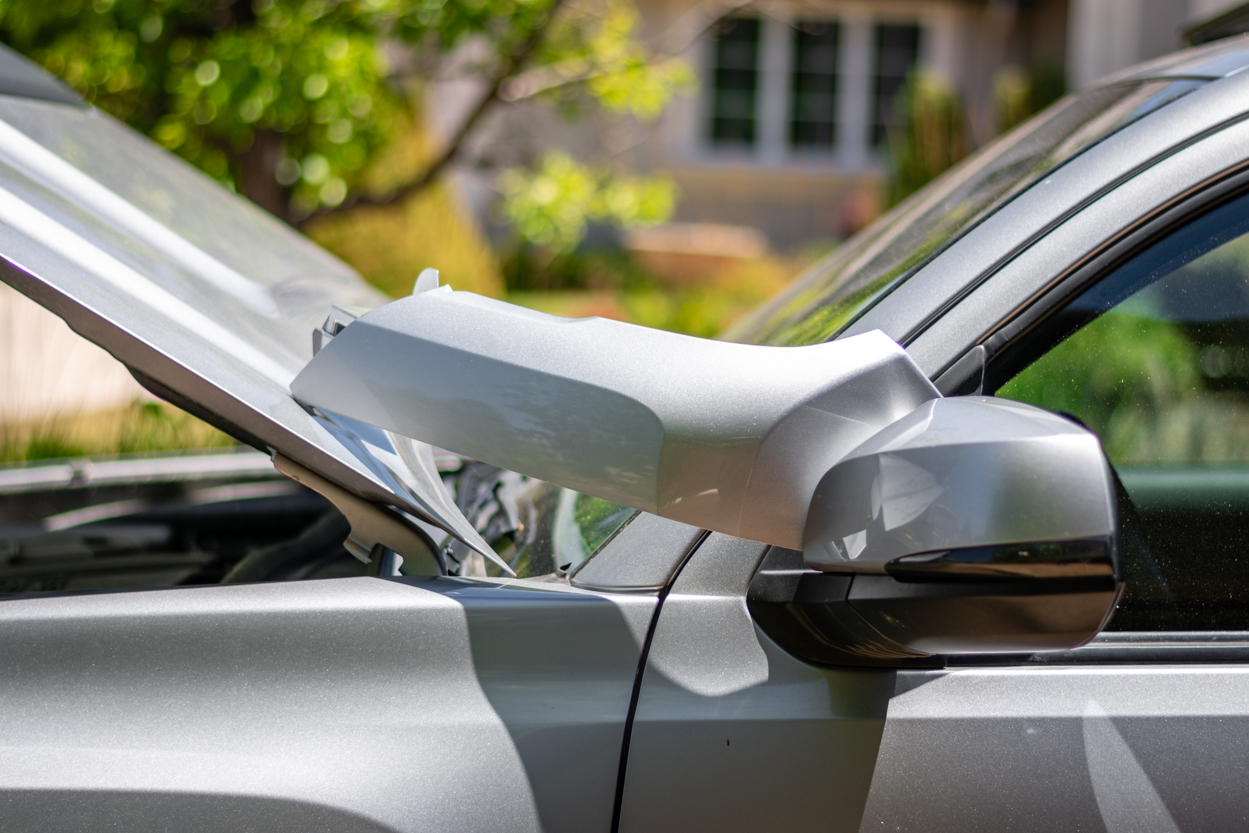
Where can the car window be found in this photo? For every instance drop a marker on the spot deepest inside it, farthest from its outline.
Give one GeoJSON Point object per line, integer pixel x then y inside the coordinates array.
{"type": "Point", "coordinates": [535, 526]}
{"type": "Point", "coordinates": [1157, 364]}
{"type": "Point", "coordinates": [831, 294]}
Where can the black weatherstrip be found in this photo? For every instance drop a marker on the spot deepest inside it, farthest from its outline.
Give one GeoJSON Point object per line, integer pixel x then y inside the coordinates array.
{"type": "Point", "coordinates": [637, 682]}
{"type": "Point", "coordinates": [1185, 208]}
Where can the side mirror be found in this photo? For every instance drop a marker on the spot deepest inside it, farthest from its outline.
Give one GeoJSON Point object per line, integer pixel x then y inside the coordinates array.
{"type": "Point", "coordinates": [972, 525]}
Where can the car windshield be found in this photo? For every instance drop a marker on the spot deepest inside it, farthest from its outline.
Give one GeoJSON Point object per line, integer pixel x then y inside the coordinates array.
{"type": "Point", "coordinates": [835, 291]}
{"type": "Point", "coordinates": [535, 526]}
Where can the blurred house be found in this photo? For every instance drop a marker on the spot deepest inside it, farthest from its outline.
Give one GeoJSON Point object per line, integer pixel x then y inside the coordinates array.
{"type": "Point", "coordinates": [788, 131]}
{"type": "Point", "coordinates": [48, 371]}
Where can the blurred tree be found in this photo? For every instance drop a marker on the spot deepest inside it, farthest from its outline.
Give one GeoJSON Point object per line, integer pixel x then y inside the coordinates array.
{"type": "Point", "coordinates": [290, 100]}
{"type": "Point", "coordinates": [931, 137]}
{"type": "Point", "coordinates": [1018, 93]}
{"type": "Point", "coordinates": [550, 205]}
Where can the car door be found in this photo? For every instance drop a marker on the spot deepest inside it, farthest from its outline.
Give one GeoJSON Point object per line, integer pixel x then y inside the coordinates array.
{"type": "Point", "coordinates": [1133, 321]}
{"type": "Point", "coordinates": [1145, 728]}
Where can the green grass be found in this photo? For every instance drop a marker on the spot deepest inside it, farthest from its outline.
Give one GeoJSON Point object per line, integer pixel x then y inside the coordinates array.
{"type": "Point", "coordinates": [138, 428]}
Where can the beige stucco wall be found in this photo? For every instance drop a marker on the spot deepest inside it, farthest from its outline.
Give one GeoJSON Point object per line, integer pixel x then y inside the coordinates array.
{"type": "Point", "coordinates": [1105, 36]}
{"type": "Point", "coordinates": [47, 370]}
{"type": "Point", "coordinates": [791, 206]}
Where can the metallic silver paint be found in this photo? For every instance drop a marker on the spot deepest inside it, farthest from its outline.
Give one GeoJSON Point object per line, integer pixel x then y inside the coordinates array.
{"type": "Point", "coordinates": [1020, 222]}
{"type": "Point", "coordinates": [1068, 748]}
{"type": "Point", "coordinates": [732, 733]}
{"type": "Point", "coordinates": [341, 704]}
{"type": "Point", "coordinates": [722, 436]}
{"type": "Point", "coordinates": [365, 704]}
{"type": "Point", "coordinates": [963, 472]}
{"type": "Point", "coordinates": [1071, 242]}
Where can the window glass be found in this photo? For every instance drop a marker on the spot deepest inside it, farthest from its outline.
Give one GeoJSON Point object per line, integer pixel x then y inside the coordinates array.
{"type": "Point", "coordinates": [897, 51]}
{"type": "Point", "coordinates": [1157, 364]}
{"type": "Point", "coordinates": [813, 123]}
{"type": "Point", "coordinates": [533, 525]}
{"type": "Point", "coordinates": [735, 81]}
{"type": "Point", "coordinates": [821, 302]}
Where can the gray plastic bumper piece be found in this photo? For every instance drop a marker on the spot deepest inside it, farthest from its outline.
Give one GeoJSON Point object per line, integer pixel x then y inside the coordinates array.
{"type": "Point", "coordinates": [727, 437]}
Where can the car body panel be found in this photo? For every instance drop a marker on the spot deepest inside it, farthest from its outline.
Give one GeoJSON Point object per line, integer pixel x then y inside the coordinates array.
{"type": "Point", "coordinates": [1126, 748]}
{"type": "Point", "coordinates": [1140, 734]}
{"type": "Point", "coordinates": [344, 704]}
{"type": "Point", "coordinates": [1023, 278]}
{"type": "Point", "coordinates": [734, 734]}
{"type": "Point", "coordinates": [634, 702]}
{"type": "Point", "coordinates": [1213, 60]}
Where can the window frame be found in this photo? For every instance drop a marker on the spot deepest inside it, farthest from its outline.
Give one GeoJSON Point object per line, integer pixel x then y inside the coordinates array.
{"type": "Point", "coordinates": [1019, 339]}
{"type": "Point", "coordinates": [853, 147]}
{"type": "Point", "coordinates": [1022, 337]}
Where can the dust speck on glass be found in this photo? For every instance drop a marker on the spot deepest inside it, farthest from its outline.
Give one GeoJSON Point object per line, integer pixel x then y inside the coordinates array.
{"type": "Point", "coordinates": [835, 291]}
{"type": "Point", "coordinates": [535, 526]}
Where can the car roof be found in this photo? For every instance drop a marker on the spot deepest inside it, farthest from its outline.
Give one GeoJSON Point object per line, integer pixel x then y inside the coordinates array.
{"type": "Point", "coordinates": [900, 246]}
{"type": "Point", "coordinates": [24, 79]}
{"type": "Point", "coordinates": [1219, 97]}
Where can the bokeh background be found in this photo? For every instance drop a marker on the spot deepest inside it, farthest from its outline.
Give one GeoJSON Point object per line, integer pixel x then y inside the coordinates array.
{"type": "Point", "coordinates": [667, 162]}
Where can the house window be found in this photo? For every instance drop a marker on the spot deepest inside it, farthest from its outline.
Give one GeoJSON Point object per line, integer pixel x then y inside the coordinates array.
{"type": "Point", "coordinates": [735, 82]}
{"type": "Point", "coordinates": [827, 88]}
{"type": "Point", "coordinates": [814, 85]}
{"type": "Point", "coordinates": [897, 50]}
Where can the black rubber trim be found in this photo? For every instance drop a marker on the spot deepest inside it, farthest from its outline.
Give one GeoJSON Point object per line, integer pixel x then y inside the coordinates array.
{"type": "Point", "coordinates": [618, 805]}
{"type": "Point", "coordinates": [1161, 648]}
{"type": "Point", "coordinates": [1128, 243]}
{"type": "Point", "coordinates": [1032, 240]}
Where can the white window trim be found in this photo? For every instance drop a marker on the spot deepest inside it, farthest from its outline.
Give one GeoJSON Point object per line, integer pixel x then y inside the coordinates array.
{"type": "Point", "coordinates": [852, 151]}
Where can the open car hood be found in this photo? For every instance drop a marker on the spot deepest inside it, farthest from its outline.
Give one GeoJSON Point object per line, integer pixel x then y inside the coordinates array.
{"type": "Point", "coordinates": [208, 300]}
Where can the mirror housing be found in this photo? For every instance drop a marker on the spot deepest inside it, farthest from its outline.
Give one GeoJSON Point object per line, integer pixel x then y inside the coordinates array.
{"type": "Point", "coordinates": [972, 525]}
{"type": "Point", "coordinates": [727, 437]}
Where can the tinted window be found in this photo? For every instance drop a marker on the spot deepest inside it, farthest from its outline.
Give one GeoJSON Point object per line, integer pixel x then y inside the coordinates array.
{"type": "Point", "coordinates": [1157, 364]}
{"type": "Point", "coordinates": [814, 108]}
{"type": "Point", "coordinates": [736, 77]}
{"type": "Point", "coordinates": [832, 293]}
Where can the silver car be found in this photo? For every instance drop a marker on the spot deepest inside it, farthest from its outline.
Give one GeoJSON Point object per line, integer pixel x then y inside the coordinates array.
{"type": "Point", "coordinates": [949, 536]}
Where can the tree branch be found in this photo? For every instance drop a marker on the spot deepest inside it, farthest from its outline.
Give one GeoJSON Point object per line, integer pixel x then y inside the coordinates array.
{"type": "Point", "coordinates": [680, 37]}
{"type": "Point", "coordinates": [510, 67]}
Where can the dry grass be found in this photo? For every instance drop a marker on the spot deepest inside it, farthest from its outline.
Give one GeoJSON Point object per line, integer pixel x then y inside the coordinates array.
{"type": "Point", "coordinates": [390, 245]}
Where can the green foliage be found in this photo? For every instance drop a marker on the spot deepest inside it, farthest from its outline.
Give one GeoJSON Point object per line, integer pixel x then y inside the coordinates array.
{"type": "Point", "coordinates": [1116, 365]}
{"type": "Point", "coordinates": [209, 81]}
{"type": "Point", "coordinates": [1018, 93]}
{"type": "Point", "coordinates": [1137, 382]}
{"type": "Point", "coordinates": [550, 205]}
{"type": "Point", "coordinates": [290, 100]}
{"type": "Point", "coordinates": [140, 427]}
{"type": "Point", "coordinates": [931, 138]}
{"type": "Point", "coordinates": [613, 284]}
{"type": "Point", "coordinates": [594, 48]}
